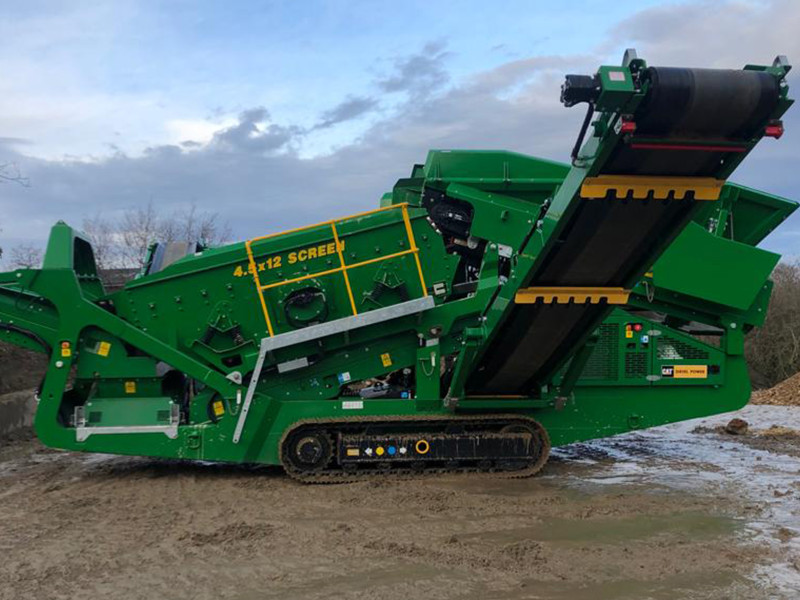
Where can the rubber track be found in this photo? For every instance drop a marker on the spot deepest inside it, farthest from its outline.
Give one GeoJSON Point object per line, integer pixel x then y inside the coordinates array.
{"type": "Point", "coordinates": [340, 476]}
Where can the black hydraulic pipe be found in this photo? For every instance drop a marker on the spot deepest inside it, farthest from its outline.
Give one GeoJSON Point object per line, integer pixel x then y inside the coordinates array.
{"type": "Point", "coordinates": [586, 121]}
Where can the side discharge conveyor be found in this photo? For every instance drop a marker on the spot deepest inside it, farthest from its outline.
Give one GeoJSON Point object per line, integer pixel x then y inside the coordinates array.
{"type": "Point", "coordinates": [494, 305]}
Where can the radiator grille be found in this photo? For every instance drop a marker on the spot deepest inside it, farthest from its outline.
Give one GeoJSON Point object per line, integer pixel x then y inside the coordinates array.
{"type": "Point", "coordinates": [635, 365]}
{"type": "Point", "coordinates": [670, 348]}
{"type": "Point", "coordinates": [604, 360]}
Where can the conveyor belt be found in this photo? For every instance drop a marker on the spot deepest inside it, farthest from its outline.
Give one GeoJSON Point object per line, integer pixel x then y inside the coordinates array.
{"type": "Point", "coordinates": [691, 106]}
{"type": "Point", "coordinates": [610, 240]}
{"type": "Point", "coordinates": [606, 242]}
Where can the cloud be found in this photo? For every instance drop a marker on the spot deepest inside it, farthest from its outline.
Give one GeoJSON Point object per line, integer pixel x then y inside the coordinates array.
{"type": "Point", "coordinates": [419, 73]}
{"type": "Point", "coordinates": [711, 33]}
{"type": "Point", "coordinates": [254, 133]}
{"type": "Point", "coordinates": [249, 169]}
{"type": "Point", "coordinates": [196, 131]}
{"type": "Point", "coordinates": [14, 141]}
{"type": "Point", "coordinates": [351, 108]}
{"type": "Point", "coordinates": [249, 173]}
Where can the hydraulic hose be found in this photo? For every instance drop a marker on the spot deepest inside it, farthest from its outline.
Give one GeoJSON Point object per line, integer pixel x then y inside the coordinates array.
{"type": "Point", "coordinates": [28, 334]}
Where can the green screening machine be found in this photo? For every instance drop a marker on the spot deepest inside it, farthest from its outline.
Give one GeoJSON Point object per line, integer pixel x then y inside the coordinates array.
{"type": "Point", "coordinates": [495, 304]}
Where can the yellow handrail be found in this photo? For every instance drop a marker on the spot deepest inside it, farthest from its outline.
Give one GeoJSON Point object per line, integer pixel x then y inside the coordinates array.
{"type": "Point", "coordinates": [340, 251]}
{"type": "Point", "coordinates": [414, 248]}
{"type": "Point", "coordinates": [258, 286]}
{"type": "Point", "coordinates": [343, 267]}
{"type": "Point", "coordinates": [321, 223]}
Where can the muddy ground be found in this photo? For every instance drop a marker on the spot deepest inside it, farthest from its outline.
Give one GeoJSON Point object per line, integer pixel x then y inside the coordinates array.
{"type": "Point", "coordinates": [667, 513]}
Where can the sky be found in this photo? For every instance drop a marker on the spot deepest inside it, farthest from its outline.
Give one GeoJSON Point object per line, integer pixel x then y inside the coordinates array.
{"type": "Point", "coordinates": [279, 114]}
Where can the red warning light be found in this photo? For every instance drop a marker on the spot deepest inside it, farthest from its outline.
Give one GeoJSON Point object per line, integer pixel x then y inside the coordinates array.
{"type": "Point", "coordinates": [627, 127]}
{"type": "Point", "coordinates": [637, 327]}
{"type": "Point", "coordinates": [774, 130]}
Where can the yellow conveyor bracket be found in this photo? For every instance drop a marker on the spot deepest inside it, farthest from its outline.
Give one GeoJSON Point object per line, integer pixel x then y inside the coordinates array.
{"type": "Point", "coordinates": [640, 186]}
{"type": "Point", "coordinates": [578, 295]}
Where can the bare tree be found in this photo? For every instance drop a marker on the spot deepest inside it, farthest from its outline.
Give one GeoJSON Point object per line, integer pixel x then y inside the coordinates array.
{"type": "Point", "coordinates": [202, 227]}
{"type": "Point", "coordinates": [138, 228]}
{"type": "Point", "coordinates": [25, 256]}
{"type": "Point", "coordinates": [103, 237]}
{"type": "Point", "coordinates": [123, 242]}
{"type": "Point", "coordinates": [773, 351]}
{"type": "Point", "coordinates": [9, 172]}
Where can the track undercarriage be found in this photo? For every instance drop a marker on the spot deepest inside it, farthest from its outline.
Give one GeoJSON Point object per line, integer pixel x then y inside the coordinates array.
{"type": "Point", "coordinates": [349, 450]}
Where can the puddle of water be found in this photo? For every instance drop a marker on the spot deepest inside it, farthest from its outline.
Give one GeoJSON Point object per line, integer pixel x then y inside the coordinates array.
{"type": "Point", "coordinates": [613, 530]}
{"type": "Point", "coordinates": [697, 585]}
{"type": "Point", "coordinates": [673, 458]}
{"type": "Point", "coordinates": [515, 488]}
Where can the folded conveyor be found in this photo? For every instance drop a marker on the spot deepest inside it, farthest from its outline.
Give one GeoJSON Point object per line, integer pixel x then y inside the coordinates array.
{"type": "Point", "coordinates": [642, 186]}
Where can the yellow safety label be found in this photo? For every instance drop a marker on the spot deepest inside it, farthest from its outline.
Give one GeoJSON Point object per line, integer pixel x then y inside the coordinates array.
{"type": "Point", "coordinates": [219, 408]}
{"type": "Point", "coordinates": [628, 334]}
{"type": "Point", "coordinates": [386, 359]}
{"type": "Point", "coordinates": [279, 260]}
{"type": "Point", "coordinates": [66, 352]}
{"type": "Point", "coordinates": [130, 387]}
{"type": "Point", "coordinates": [685, 371]}
{"type": "Point", "coordinates": [352, 452]}
{"type": "Point", "coordinates": [103, 349]}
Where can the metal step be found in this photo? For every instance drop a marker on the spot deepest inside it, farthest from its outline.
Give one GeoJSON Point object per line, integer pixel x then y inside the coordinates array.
{"type": "Point", "coordinates": [83, 430]}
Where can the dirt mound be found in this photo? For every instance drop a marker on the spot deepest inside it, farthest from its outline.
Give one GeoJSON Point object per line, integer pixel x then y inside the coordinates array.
{"type": "Point", "coordinates": [786, 393]}
{"type": "Point", "coordinates": [778, 431]}
{"type": "Point", "coordinates": [20, 369]}
{"type": "Point", "coordinates": [17, 411]}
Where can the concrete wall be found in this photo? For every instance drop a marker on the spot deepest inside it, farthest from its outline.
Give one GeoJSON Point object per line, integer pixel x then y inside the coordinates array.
{"type": "Point", "coordinates": [16, 413]}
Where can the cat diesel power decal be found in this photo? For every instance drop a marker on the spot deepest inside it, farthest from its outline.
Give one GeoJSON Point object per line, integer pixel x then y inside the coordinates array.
{"type": "Point", "coordinates": [685, 371]}
{"type": "Point", "coordinates": [295, 256]}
